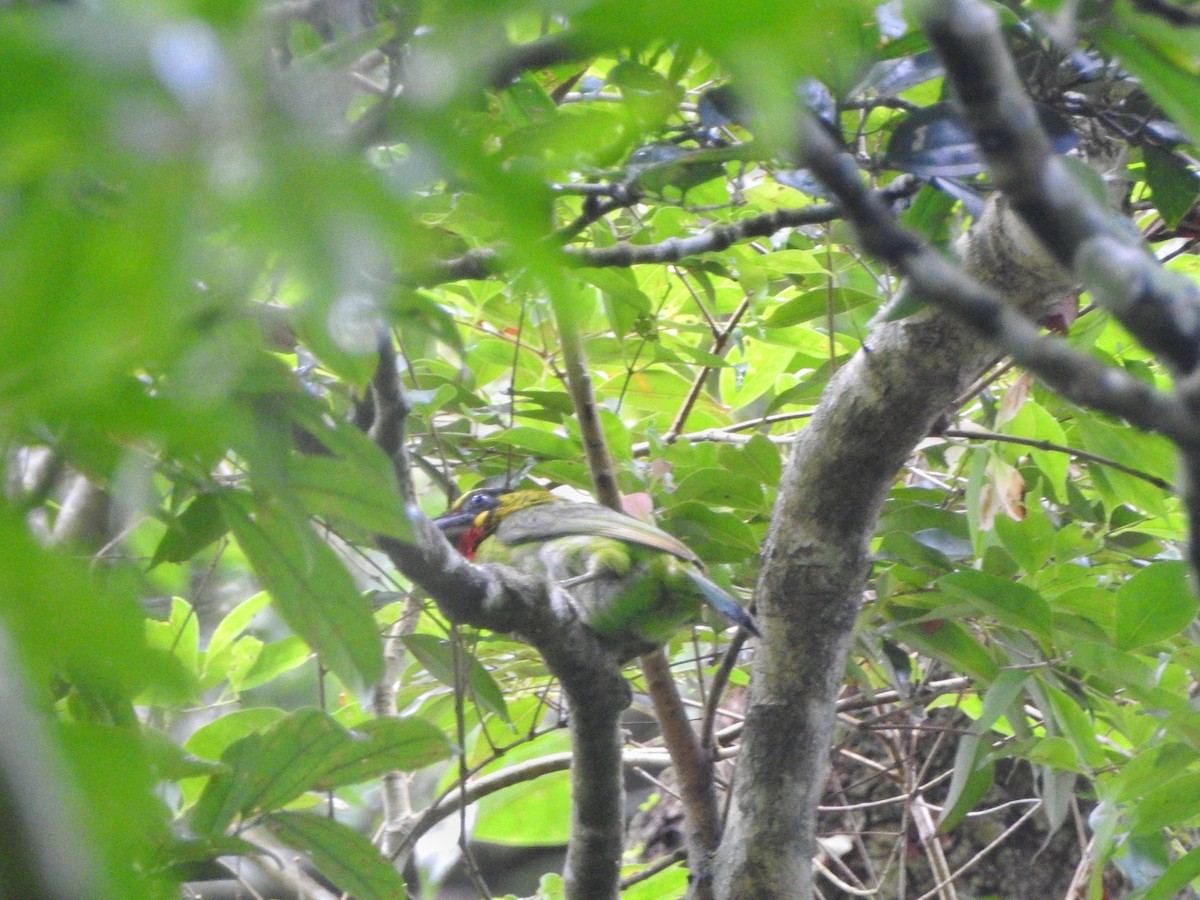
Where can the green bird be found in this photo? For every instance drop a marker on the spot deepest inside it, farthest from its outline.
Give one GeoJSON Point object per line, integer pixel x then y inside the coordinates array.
{"type": "Point", "coordinates": [634, 584]}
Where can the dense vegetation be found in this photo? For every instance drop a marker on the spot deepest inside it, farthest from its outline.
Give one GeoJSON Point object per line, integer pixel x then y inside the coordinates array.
{"type": "Point", "coordinates": [277, 281]}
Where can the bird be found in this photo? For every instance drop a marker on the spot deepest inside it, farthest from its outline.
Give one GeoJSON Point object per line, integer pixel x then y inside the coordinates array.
{"type": "Point", "coordinates": [633, 584]}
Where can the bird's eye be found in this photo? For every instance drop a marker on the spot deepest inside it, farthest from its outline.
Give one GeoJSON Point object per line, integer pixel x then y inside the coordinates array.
{"type": "Point", "coordinates": [478, 501]}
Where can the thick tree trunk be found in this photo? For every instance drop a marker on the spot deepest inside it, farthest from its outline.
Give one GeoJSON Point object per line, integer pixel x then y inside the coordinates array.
{"type": "Point", "coordinates": [816, 558]}
{"type": "Point", "coordinates": [815, 567]}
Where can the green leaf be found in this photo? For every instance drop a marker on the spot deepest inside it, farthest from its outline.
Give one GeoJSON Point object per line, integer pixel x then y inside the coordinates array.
{"type": "Point", "coordinates": [366, 496]}
{"type": "Point", "coordinates": [195, 528]}
{"type": "Point", "coordinates": [624, 301]}
{"type": "Point", "coordinates": [1154, 604]}
{"type": "Point", "coordinates": [929, 213]}
{"type": "Point", "coordinates": [906, 303]}
{"type": "Point", "coordinates": [1033, 421]}
{"type": "Point", "coordinates": [236, 621]}
{"type": "Point", "coordinates": [124, 819]}
{"type": "Point", "coordinates": [1153, 454]}
{"type": "Point", "coordinates": [536, 441]}
{"type": "Point", "coordinates": [179, 635]}
{"type": "Point", "coordinates": [273, 660]}
{"type": "Point", "coordinates": [1030, 541]}
{"type": "Point", "coordinates": [1179, 874]}
{"type": "Point", "coordinates": [1076, 726]}
{"type": "Point", "coordinates": [437, 656]}
{"type": "Point", "coordinates": [656, 390]}
{"type": "Point", "coordinates": [716, 536]}
{"type": "Point", "coordinates": [267, 770]}
{"type": "Point", "coordinates": [485, 691]}
{"type": "Point", "coordinates": [209, 741]}
{"type": "Point", "coordinates": [1055, 753]}
{"type": "Point", "coordinates": [311, 588]}
{"type": "Point", "coordinates": [818, 303]}
{"type": "Point", "coordinates": [1124, 669]}
{"type": "Point", "coordinates": [793, 262]}
{"type": "Point", "coordinates": [1007, 601]}
{"type": "Point", "coordinates": [720, 487]}
{"type": "Point", "coordinates": [972, 777]}
{"type": "Point", "coordinates": [669, 882]}
{"type": "Point", "coordinates": [1174, 186]}
{"type": "Point", "coordinates": [1174, 802]}
{"type": "Point", "coordinates": [969, 784]}
{"type": "Point", "coordinates": [760, 458]}
{"type": "Point", "coordinates": [340, 853]}
{"type": "Point", "coordinates": [915, 553]}
{"type": "Point", "coordinates": [953, 644]}
{"type": "Point", "coordinates": [231, 663]}
{"type": "Point", "coordinates": [531, 812]}
{"type": "Point", "coordinates": [758, 369]}
{"type": "Point", "coordinates": [391, 744]}
{"type": "Point", "coordinates": [308, 750]}
{"type": "Point", "coordinates": [1170, 84]}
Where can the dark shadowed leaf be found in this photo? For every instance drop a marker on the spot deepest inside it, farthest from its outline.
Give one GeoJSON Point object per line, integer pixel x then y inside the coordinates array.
{"type": "Point", "coordinates": [197, 526]}
{"type": "Point", "coordinates": [933, 141]}
{"type": "Point", "coordinates": [1174, 185]}
{"type": "Point", "coordinates": [892, 76]}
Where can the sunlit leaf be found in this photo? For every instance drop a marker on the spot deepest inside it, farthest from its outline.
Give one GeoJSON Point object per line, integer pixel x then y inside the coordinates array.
{"type": "Point", "coordinates": [1154, 604]}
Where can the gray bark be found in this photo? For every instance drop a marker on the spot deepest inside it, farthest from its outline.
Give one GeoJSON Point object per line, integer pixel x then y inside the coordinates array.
{"type": "Point", "coordinates": [816, 559]}
{"type": "Point", "coordinates": [815, 567]}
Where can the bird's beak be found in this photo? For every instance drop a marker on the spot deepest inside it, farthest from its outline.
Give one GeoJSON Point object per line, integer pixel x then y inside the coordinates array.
{"type": "Point", "coordinates": [454, 523]}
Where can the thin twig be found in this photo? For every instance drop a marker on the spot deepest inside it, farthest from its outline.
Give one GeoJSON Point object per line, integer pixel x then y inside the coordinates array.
{"type": "Point", "coordinates": [978, 857]}
{"type": "Point", "coordinates": [719, 341]}
{"type": "Point", "coordinates": [717, 690]}
{"type": "Point", "coordinates": [1037, 444]}
{"type": "Point", "coordinates": [659, 865]}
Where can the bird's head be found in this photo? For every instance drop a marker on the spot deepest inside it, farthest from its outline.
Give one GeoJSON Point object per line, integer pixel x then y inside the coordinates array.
{"type": "Point", "coordinates": [478, 513]}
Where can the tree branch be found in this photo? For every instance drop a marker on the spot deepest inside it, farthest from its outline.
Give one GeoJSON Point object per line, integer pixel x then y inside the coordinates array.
{"type": "Point", "coordinates": [1160, 308]}
{"type": "Point", "coordinates": [485, 262]}
{"type": "Point", "coordinates": [694, 767]}
{"type": "Point", "coordinates": [551, 50]}
{"type": "Point", "coordinates": [486, 785]}
{"type": "Point", "coordinates": [1168, 12]}
{"type": "Point", "coordinates": [816, 558]}
{"type": "Point", "coordinates": [505, 600]}
{"type": "Point", "coordinates": [973, 435]}
{"type": "Point", "coordinates": [1077, 376]}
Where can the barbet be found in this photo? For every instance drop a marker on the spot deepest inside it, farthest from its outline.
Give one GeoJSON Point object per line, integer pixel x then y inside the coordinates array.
{"type": "Point", "coordinates": [634, 584]}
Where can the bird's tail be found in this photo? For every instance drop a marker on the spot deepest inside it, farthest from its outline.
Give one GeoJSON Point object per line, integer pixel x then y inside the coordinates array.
{"type": "Point", "coordinates": [723, 603]}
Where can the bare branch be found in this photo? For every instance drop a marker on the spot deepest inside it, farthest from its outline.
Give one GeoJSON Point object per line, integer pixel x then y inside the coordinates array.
{"type": "Point", "coordinates": [505, 600]}
{"type": "Point", "coordinates": [694, 766]}
{"type": "Point", "coordinates": [1077, 376]}
{"type": "Point", "coordinates": [485, 262]}
{"type": "Point", "coordinates": [1169, 12]}
{"type": "Point", "coordinates": [510, 776]}
{"type": "Point", "coordinates": [1160, 308]}
{"type": "Point", "coordinates": [1037, 444]}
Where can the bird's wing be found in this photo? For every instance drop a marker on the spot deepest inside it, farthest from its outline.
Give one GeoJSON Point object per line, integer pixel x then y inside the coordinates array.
{"type": "Point", "coordinates": [548, 521]}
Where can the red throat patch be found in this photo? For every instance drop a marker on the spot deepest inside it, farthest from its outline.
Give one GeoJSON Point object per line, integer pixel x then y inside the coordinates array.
{"type": "Point", "coordinates": [469, 542]}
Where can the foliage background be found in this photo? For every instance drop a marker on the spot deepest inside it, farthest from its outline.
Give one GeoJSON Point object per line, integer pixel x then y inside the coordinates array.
{"type": "Point", "coordinates": [206, 208]}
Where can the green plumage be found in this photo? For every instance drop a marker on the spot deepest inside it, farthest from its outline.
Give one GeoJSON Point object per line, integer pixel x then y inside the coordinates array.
{"type": "Point", "coordinates": [633, 583]}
